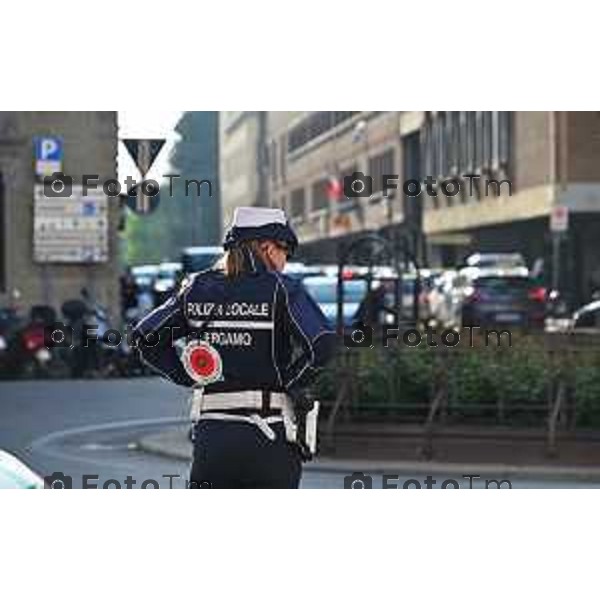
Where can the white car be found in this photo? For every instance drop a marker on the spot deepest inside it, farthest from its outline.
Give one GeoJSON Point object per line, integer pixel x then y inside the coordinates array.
{"type": "Point", "coordinates": [499, 260]}
{"type": "Point", "coordinates": [16, 475]}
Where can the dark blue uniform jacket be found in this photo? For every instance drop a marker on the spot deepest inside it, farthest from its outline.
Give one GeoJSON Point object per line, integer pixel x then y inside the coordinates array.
{"type": "Point", "coordinates": [269, 332]}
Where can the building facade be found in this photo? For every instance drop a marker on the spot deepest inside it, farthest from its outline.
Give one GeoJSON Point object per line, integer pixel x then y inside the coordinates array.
{"type": "Point", "coordinates": [89, 147]}
{"type": "Point", "coordinates": [550, 159]}
{"type": "Point", "coordinates": [312, 153]}
{"type": "Point", "coordinates": [242, 166]}
{"type": "Point", "coordinates": [195, 218]}
{"type": "Point", "coordinates": [503, 174]}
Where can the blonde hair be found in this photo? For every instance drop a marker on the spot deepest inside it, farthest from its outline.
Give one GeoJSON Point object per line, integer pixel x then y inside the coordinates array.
{"type": "Point", "coordinates": [234, 263]}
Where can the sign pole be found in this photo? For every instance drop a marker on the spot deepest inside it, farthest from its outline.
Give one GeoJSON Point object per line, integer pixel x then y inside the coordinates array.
{"type": "Point", "coordinates": [556, 238]}
{"type": "Point", "coordinates": [559, 225]}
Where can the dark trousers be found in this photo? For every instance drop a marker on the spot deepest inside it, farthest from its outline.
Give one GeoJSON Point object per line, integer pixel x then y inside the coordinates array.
{"type": "Point", "coordinates": [229, 454]}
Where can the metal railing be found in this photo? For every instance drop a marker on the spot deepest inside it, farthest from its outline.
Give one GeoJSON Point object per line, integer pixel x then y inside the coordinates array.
{"type": "Point", "coordinates": [547, 386]}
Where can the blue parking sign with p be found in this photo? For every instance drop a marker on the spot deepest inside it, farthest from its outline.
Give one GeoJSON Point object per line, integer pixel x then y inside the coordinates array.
{"type": "Point", "coordinates": [48, 154]}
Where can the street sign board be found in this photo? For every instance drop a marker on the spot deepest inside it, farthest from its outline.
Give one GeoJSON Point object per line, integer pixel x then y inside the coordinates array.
{"type": "Point", "coordinates": [48, 155]}
{"type": "Point", "coordinates": [71, 229]}
{"type": "Point", "coordinates": [559, 219]}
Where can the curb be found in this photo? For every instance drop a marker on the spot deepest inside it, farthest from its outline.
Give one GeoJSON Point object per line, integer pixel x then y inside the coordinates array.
{"type": "Point", "coordinates": [157, 444]}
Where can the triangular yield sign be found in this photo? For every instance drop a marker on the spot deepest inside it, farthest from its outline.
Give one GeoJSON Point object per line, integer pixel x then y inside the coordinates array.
{"type": "Point", "coordinates": [143, 152]}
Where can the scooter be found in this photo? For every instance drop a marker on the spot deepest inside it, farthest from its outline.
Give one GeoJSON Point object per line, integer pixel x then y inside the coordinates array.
{"type": "Point", "coordinates": [10, 321]}
{"type": "Point", "coordinates": [28, 348]}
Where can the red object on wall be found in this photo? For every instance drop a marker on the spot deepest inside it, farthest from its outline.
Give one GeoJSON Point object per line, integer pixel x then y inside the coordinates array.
{"type": "Point", "coordinates": [334, 189]}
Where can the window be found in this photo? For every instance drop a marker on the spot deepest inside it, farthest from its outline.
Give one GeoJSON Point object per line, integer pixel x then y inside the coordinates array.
{"type": "Point", "coordinates": [347, 172]}
{"type": "Point", "coordinates": [297, 203]}
{"type": "Point", "coordinates": [426, 147]}
{"type": "Point", "coordinates": [463, 142]}
{"type": "Point", "coordinates": [442, 145]}
{"type": "Point", "coordinates": [380, 165]}
{"type": "Point", "coordinates": [273, 160]}
{"type": "Point", "coordinates": [452, 132]}
{"type": "Point", "coordinates": [479, 141]}
{"type": "Point", "coordinates": [471, 141]}
{"type": "Point", "coordinates": [505, 137]}
{"type": "Point", "coordinates": [341, 116]}
{"type": "Point", "coordinates": [314, 125]}
{"type": "Point", "coordinates": [434, 149]}
{"type": "Point", "coordinates": [2, 238]}
{"type": "Point", "coordinates": [495, 154]}
{"type": "Point", "coordinates": [282, 158]}
{"type": "Point", "coordinates": [487, 139]}
{"type": "Point", "coordinates": [319, 195]}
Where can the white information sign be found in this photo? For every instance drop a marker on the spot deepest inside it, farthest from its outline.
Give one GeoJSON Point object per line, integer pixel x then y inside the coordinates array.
{"type": "Point", "coordinates": [72, 229]}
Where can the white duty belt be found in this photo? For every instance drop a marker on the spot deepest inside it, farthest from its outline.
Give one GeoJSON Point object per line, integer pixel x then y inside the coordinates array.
{"type": "Point", "coordinates": [253, 400]}
{"type": "Point", "coordinates": [207, 407]}
{"type": "Point", "coordinates": [202, 402]}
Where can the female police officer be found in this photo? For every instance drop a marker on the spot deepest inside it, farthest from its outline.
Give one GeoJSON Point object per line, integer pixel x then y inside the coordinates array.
{"type": "Point", "coordinates": [248, 340]}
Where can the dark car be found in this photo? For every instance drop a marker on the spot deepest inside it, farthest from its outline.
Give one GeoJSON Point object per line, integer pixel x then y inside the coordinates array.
{"type": "Point", "coordinates": [504, 300]}
{"type": "Point", "coordinates": [324, 291]}
{"type": "Point", "coordinates": [587, 318]}
{"type": "Point", "coordinates": [165, 281]}
{"type": "Point", "coordinates": [199, 258]}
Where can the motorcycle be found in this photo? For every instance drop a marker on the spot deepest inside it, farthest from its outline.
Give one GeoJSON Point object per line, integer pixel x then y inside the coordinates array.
{"type": "Point", "coordinates": [92, 354]}
{"type": "Point", "coordinates": [29, 355]}
{"type": "Point", "coordinates": [10, 322]}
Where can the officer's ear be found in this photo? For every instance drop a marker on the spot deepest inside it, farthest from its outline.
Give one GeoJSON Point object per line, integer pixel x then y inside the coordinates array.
{"type": "Point", "coordinates": [265, 251]}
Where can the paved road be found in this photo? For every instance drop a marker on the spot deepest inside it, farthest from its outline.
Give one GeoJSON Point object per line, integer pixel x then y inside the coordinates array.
{"type": "Point", "coordinates": [89, 428]}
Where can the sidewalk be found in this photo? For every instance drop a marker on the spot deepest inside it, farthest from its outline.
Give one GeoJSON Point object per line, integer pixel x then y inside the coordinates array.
{"type": "Point", "coordinates": [578, 461]}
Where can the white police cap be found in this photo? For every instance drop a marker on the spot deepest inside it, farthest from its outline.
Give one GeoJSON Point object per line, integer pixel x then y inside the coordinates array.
{"type": "Point", "coordinates": [258, 223]}
{"type": "Point", "coordinates": [254, 216]}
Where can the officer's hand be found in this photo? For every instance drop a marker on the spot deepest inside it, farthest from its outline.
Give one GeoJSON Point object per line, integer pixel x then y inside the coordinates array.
{"type": "Point", "coordinates": [305, 454]}
{"type": "Point", "coordinates": [302, 400]}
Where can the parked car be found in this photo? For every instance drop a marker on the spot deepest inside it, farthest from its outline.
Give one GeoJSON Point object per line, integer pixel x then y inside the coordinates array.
{"type": "Point", "coordinates": [300, 271]}
{"type": "Point", "coordinates": [498, 260]}
{"type": "Point", "coordinates": [144, 276]}
{"type": "Point", "coordinates": [199, 258]}
{"type": "Point", "coordinates": [495, 298]}
{"type": "Point", "coordinates": [14, 474]}
{"type": "Point", "coordinates": [324, 291]}
{"type": "Point", "coordinates": [165, 281]}
{"type": "Point", "coordinates": [587, 318]}
{"type": "Point", "coordinates": [441, 299]}
{"type": "Point", "coordinates": [481, 264]}
{"type": "Point", "coordinates": [427, 287]}
{"type": "Point", "coordinates": [407, 294]}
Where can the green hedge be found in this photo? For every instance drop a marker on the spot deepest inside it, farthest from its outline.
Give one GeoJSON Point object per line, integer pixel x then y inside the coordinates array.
{"type": "Point", "coordinates": [510, 386]}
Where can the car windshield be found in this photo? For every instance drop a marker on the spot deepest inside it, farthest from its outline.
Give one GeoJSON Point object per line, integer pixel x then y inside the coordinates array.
{"type": "Point", "coordinates": [169, 272]}
{"type": "Point", "coordinates": [325, 292]}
